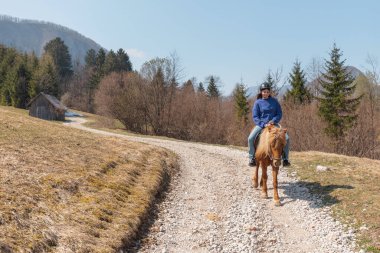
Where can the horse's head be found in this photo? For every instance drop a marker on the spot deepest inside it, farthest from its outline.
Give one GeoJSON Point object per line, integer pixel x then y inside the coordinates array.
{"type": "Point", "coordinates": [277, 142]}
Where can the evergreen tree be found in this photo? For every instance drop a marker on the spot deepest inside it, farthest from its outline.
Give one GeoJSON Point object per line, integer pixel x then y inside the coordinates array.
{"type": "Point", "coordinates": [337, 105]}
{"type": "Point", "coordinates": [201, 88]}
{"type": "Point", "coordinates": [90, 58]}
{"type": "Point", "coordinates": [98, 70]}
{"type": "Point", "coordinates": [298, 94]}
{"type": "Point", "coordinates": [188, 87]}
{"type": "Point", "coordinates": [241, 102]}
{"type": "Point", "coordinates": [123, 62]}
{"type": "Point", "coordinates": [57, 49]}
{"type": "Point", "coordinates": [59, 52]}
{"type": "Point", "coordinates": [110, 63]}
{"type": "Point", "coordinates": [272, 84]}
{"type": "Point", "coordinates": [7, 75]}
{"type": "Point", "coordinates": [20, 94]}
{"type": "Point", "coordinates": [212, 88]}
{"type": "Point", "coordinates": [46, 78]}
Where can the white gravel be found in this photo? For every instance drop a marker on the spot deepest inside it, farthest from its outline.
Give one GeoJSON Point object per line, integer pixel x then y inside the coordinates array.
{"type": "Point", "coordinates": [213, 207]}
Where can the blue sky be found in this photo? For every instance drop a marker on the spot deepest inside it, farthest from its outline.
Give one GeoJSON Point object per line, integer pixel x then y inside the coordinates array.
{"type": "Point", "coordinates": [229, 39]}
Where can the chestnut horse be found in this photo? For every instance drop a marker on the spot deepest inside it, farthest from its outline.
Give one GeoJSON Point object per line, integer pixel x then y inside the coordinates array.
{"type": "Point", "coordinates": [269, 151]}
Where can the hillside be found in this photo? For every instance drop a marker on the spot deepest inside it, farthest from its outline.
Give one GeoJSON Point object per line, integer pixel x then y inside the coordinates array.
{"type": "Point", "coordinates": [65, 190]}
{"type": "Point", "coordinates": [31, 35]}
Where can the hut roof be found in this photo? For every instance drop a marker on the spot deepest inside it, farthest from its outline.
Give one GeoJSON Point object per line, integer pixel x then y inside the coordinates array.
{"type": "Point", "coordinates": [53, 100]}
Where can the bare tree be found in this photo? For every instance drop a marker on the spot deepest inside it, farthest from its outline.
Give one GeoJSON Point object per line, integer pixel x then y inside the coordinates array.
{"type": "Point", "coordinates": [120, 96]}
{"type": "Point", "coordinates": [372, 96]}
{"type": "Point", "coordinates": [313, 73]}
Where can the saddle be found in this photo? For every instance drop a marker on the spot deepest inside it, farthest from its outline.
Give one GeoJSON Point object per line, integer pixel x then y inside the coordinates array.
{"type": "Point", "coordinates": [256, 140]}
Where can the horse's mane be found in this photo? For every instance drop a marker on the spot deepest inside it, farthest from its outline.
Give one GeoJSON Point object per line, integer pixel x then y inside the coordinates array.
{"type": "Point", "coordinates": [263, 148]}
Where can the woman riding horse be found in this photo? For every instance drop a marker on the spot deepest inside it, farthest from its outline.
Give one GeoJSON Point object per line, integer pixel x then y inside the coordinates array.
{"type": "Point", "coordinates": [266, 111]}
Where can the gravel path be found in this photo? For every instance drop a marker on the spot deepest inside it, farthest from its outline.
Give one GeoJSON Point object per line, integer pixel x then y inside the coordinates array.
{"type": "Point", "coordinates": [213, 207]}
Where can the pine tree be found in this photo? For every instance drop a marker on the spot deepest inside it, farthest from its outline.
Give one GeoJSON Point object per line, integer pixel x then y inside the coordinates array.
{"type": "Point", "coordinates": [110, 63]}
{"type": "Point", "coordinates": [298, 94]}
{"type": "Point", "coordinates": [337, 105]}
{"type": "Point", "coordinates": [241, 102]}
{"type": "Point", "coordinates": [123, 62]}
{"type": "Point", "coordinates": [212, 88]}
{"type": "Point", "coordinates": [46, 78]}
{"type": "Point", "coordinates": [59, 52]}
{"type": "Point", "coordinates": [188, 86]}
{"type": "Point", "coordinates": [90, 58]}
{"type": "Point", "coordinates": [272, 84]}
{"type": "Point", "coordinates": [61, 57]}
{"type": "Point", "coordinates": [201, 88]}
{"type": "Point", "coordinates": [20, 94]}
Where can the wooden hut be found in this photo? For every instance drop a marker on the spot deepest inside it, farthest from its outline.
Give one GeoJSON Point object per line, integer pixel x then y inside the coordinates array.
{"type": "Point", "coordinates": [47, 107]}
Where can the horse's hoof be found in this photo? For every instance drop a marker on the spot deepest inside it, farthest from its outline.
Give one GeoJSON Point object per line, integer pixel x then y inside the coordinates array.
{"type": "Point", "coordinates": [264, 195]}
{"type": "Point", "coordinates": [255, 185]}
{"type": "Point", "coordinates": [277, 203]}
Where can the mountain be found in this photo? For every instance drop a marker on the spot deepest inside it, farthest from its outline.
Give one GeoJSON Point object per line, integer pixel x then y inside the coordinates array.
{"type": "Point", "coordinates": [31, 35]}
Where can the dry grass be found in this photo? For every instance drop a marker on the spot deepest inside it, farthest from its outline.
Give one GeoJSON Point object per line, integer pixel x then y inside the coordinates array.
{"type": "Point", "coordinates": [65, 190]}
{"type": "Point", "coordinates": [351, 187]}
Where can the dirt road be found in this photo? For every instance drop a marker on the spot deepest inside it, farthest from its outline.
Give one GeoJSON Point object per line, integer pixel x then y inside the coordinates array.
{"type": "Point", "coordinates": [213, 207]}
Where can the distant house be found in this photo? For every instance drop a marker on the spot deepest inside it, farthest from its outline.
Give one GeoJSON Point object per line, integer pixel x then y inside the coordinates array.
{"type": "Point", "coordinates": [47, 107]}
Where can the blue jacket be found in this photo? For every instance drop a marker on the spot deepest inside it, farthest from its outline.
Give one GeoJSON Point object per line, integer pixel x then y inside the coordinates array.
{"type": "Point", "coordinates": [265, 110]}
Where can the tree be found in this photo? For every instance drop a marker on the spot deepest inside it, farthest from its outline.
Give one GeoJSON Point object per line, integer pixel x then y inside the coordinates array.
{"type": "Point", "coordinates": [188, 86]}
{"type": "Point", "coordinates": [110, 63]}
{"type": "Point", "coordinates": [59, 52]}
{"type": "Point", "coordinates": [241, 102]}
{"type": "Point", "coordinates": [123, 62]}
{"type": "Point", "coordinates": [20, 94]}
{"type": "Point", "coordinates": [158, 95]}
{"type": "Point", "coordinates": [272, 80]}
{"type": "Point", "coordinates": [90, 58]}
{"type": "Point", "coordinates": [44, 78]}
{"type": "Point", "coordinates": [337, 106]}
{"type": "Point", "coordinates": [298, 94]}
{"type": "Point", "coordinates": [212, 88]}
{"type": "Point", "coordinates": [8, 60]}
{"type": "Point", "coordinates": [119, 96]}
{"type": "Point", "coordinates": [201, 88]}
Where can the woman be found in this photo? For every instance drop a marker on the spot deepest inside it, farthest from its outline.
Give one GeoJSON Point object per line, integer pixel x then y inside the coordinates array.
{"type": "Point", "coordinates": [266, 111]}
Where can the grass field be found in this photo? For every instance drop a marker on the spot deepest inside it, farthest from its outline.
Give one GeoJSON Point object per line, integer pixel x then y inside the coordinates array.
{"type": "Point", "coordinates": [351, 187]}
{"type": "Point", "coordinates": [65, 190]}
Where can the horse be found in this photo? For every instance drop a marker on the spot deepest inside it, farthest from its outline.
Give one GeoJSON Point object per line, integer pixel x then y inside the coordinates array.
{"type": "Point", "coordinates": [269, 151]}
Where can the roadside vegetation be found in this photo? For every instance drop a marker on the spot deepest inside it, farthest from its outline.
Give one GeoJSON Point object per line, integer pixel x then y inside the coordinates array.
{"type": "Point", "coordinates": [350, 185]}
{"type": "Point", "coordinates": [66, 190]}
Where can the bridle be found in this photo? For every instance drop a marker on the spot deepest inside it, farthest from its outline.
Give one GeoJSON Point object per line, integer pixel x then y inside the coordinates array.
{"type": "Point", "coordinates": [276, 161]}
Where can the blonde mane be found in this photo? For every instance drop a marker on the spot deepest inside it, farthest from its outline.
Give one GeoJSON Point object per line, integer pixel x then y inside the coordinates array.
{"type": "Point", "coordinates": [264, 146]}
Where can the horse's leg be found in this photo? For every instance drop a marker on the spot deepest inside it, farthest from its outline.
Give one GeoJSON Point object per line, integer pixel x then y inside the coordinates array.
{"type": "Point", "coordinates": [264, 177]}
{"type": "Point", "coordinates": [275, 189]}
{"type": "Point", "coordinates": [256, 175]}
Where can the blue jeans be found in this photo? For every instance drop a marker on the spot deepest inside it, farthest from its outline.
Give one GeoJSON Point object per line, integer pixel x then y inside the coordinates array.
{"type": "Point", "coordinates": [252, 136]}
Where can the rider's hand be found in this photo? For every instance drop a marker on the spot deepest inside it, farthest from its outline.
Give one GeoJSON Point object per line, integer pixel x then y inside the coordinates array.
{"type": "Point", "coordinates": [269, 123]}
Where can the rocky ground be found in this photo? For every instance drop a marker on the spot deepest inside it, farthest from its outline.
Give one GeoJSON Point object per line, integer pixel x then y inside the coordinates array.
{"type": "Point", "coordinates": [212, 207]}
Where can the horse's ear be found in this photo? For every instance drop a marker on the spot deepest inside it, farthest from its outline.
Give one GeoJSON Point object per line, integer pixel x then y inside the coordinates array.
{"type": "Point", "coordinates": [270, 127]}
